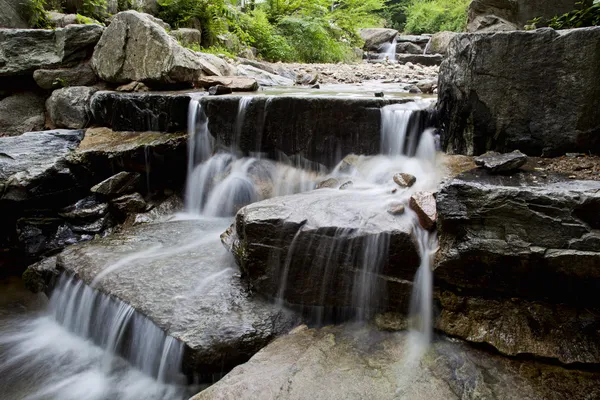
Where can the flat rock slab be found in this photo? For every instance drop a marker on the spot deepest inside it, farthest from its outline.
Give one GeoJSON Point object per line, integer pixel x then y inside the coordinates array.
{"type": "Point", "coordinates": [328, 248]}
{"type": "Point", "coordinates": [499, 163]}
{"type": "Point", "coordinates": [423, 59]}
{"type": "Point", "coordinates": [179, 276]}
{"type": "Point", "coordinates": [527, 235]}
{"type": "Point", "coordinates": [344, 362]}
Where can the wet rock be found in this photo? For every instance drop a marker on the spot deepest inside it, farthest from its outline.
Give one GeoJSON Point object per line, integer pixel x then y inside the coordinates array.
{"type": "Point", "coordinates": [379, 94]}
{"type": "Point", "coordinates": [264, 78]}
{"type": "Point", "coordinates": [408, 48]}
{"type": "Point", "coordinates": [396, 208]}
{"type": "Point", "coordinates": [44, 236]}
{"type": "Point", "coordinates": [160, 212]}
{"type": "Point", "coordinates": [134, 86]}
{"type": "Point", "coordinates": [423, 59]}
{"type": "Point", "coordinates": [11, 16]}
{"type": "Point", "coordinates": [477, 117]}
{"type": "Point", "coordinates": [423, 203]}
{"type": "Point", "coordinates": [518, 327]}
{"type": "Point", "coordinates": [235, 83]}
{"type": "Point", "coordinates": [375, 37]}
{"type": "Point", "coordinates": [498, 163]}
{"type": "Point", "coordinates": [330, 183]}
{"type": "Point", "coordinates": [21, 112]}
{"type": "Point", "coordinates": [307, 79]}
{"type": "Point", "coordinates": [421, 40]}
{"type": "Point", "coordinates": [220, 324]}
{"type": "Point", "coordinates": [317, 86]}
{"type": "Point", "coordinates": [517, 236]}
{"type": "Point", "coordinates": [219, 90]}
{"type": "Point", "coordinates": [413, 89]}
{"type": "Point", "coordinates": [129, 203]}
{"type": "Point", "coordinates": [85, 209]}
{"type": "Point", "coordinates": [440, 42]}
{"type": "Point", "coordinates": [346, 185]}
{"type": "Point", "coordinates": [22, 51]}
{"type": "Point", "coordinates": [426, 86]}
{"type": "Point", "coordinates": [70, 107]}
{"type": "Point", "coordinates": [187, 36]}
{"type": "Point", "coordinates": [404, 180]}
{"type": "Point", "coordinates": [354, 363]}
{"type": "Point", "coordinates": [91, 228]}
{"type": "Point", "coordinates": [318, 240]}
{"type": "Point", "coordinates": [135, 48]}
{"type": "Point", "coordinates": [33, 166]}
{"type": "Point", "coordinates": [121, 183]}
{"type": "Point", "coordinates": [81, 75]}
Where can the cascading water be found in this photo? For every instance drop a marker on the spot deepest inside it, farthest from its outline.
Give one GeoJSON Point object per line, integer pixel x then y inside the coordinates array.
{"type": "Point", "coordinates": [388, 51]}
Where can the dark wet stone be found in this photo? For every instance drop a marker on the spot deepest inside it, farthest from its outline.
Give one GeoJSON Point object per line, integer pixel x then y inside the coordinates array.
{"type": "Point", "coordinates": [219, 90]}
{"type": "Point", "coordinates": [130, 203]}
{"type": "Point", "coordinates": [121, 183]}
{"type": "Point", "coordinates": [423, 59]}
{"type": "Point", "coordinates": [85, 209]}
{"type": "Point", "coordinates": [498, 163]}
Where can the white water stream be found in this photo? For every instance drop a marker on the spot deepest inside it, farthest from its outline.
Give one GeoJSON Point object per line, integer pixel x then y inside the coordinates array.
{"type": "Point", "coordinates": [78, 349]}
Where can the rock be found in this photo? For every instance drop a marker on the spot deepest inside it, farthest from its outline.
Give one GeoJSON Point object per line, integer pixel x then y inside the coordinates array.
{"type": "Point", "coordinates": [423, 203]}
{"type": "Point", "coordinates": [319, 241]}
{"type": "Point", "coordinates": [498, 163]}
{"type": "Point", "coordinates": [414, 89]}
{"type": "Point", "coordinates": [423, 59]}
{"type": "Point", "coordinates": [43, 236]}
{"type": "Point", "coordinates": [61, 20]}
{"type": "Point", "coordinates": [440, 42]}
{"type": "Point", "coordinates": [161, 212]}
{"type": "Point", "coordinates": [187, 36]}
{"type": "Point", "coordinates": [22, 51]}
{"type": "Point", "coordinates": [11, 16]}
{"type": "Point", "coordinates": [426, 86]}
{"type": "Point", "coordinates": [522, 327]}
{"type": "Point", "coordinates": [21, 112]}
{"type": "Point", "coordinates": [133, 87]}
{"type": "Point", "coordinates": [349, 362]}
{"type": "Point", "coordinates": [129, 203]}
{"type": "Point", "coordinates": [408, 48]}
{"type": "Point", "coordinates": [85, 209]}
{"type": "Point", "coordinates": [219, 90]}
{"type": "Point", "coordinates": [135, 48]}
{"type": "Point", "coordinates": [235, 83]}
{"type": "Point", "coordinates": [404, 180]}
{"type": "Point", "coordinates": [214, 65]}
{"type": "Point", "coordinates": [475, 117]}
{"type": "Point", "coordinates": [330, 183]}
{"type": "Point", "coordinates": [307, 79]}
{"type": "Point", "coordinates": [116, 185]}
{"type": "Point", "coordinates": [81, 75]}
{"type": "Point", "coordinates": [70, 107]}
{"type": "Point", "coordinates": [375, 37]}
{"type": "Point", "coordinates": [220, 324]}
{"type": "Point", "coordinates": [396, 209]}
{"type": "Point", "coordinates": [33, 166]}
{"type": "Point", "coordinates": [317, 86]}
{"type": "Point", "coordinates": [421, 40]}
{"type": "Point", "coordinates": [379, 94]}
{"type": "Point", "coordinates": [264, 78]}
{"type": "Point", "coordinates": [519, 236]}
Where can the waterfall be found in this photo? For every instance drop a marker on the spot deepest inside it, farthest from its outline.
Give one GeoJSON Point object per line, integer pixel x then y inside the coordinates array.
{"type": "Point", "coordinates": [388, 51]}
{"type": "Point", "coordinates": [401, 130]}
{"type": "Point", "coordinates": [427, 46]}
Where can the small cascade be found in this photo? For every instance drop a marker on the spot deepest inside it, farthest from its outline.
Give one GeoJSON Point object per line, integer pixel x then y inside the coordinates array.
{"type": "Point", "coordinates": [388, 51]}
{"type": "Point", "coordinates": [427, 46]}
{"type": "Point", "coordinates": [117, 328]}
{"type": "Point", "coordinates": [239, 121]}
{"type": "Point", "coordinates": [401, 128]}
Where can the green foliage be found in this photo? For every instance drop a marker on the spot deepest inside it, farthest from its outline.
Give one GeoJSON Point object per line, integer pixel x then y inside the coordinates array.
{"type": "Point", "coordinates": [82, 19]}
{"type": "Point", "coordinates": [394, 13]}
{"type": "Point", "coordinates": [581, 17]}
{"type": "Point", "coordinates": [254, 29]}
{"type": "Point", "coordinates": [95, 9]}
{"type": "Point", "coordinates": [210, 15]}
{"type": "Point", "coordinates": [35, 12]}
{"type": "Point", "coordinates": [430, 16]}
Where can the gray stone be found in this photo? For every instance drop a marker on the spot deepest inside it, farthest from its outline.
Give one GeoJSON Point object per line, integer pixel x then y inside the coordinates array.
{"type": "Point", "coordinates": [133, 86]}
{"type": "Point", "coordinates": [21, 112]}
{"type": "Point", "coordinates": [70, 107]}
{"type": "Point", "coordinates": [219, 90]}
{"type": "Point", "coordinates": [423, 204]}
{"type": "Point", "coordinates": [375, 37]}
{"type": "Point", "coordinates": [478, 114]}
{"type": "Point", "coordinates": [33, 165]}
{"type": "Point", "coordinates": [498, 163]}
{"type": "Point", "coordinates": [404, 180]}
{"type": "Point", "coordinates": [214, 65]}
{"type": "Point", "coordinates": [129, 203]}
{"type": "Point", "coordinates": [355, 363]}
{"type": "Point", "coordinates": [421, 40]}
{"type": "Point", "coordinates": [426, 86]}
{"type": "Point", "coordinates": [330, 183]}
{"type": "Point", "coordinates": [81, 75]}
{"type": "Point", "coordinates": [22, 51]}
{"type": "Point", "coordinates": [11, 17]}
{"type": "Point", "coordinates": [440, 42]}
{"type": "Point", "coordinates": [264, 78]}
{"type": "Point", "coordinates": [192, 291]}
{"type": "Point", "coordinates": [85, 209]}
{"type": "Point", "coordinates": [135, 48]}
{"type": "Point", "coordinates": [116, 185]}
{"type": "Point", "coordinates": [423, 59]}
{"type": "Point", "coordinates": [187, 36]}
{"type": "Point", "coordinates": [408, 48]}
{"type": "Point", "coordinates": [236, 83]}
{"type": "Point", "coordinates": [520, 236]}
{"type": "Point", "coordinates": [310, 249]}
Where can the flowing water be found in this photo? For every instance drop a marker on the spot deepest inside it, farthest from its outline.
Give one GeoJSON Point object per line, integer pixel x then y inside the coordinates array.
{"type": "Point", "coordinates": [89, 345]}
{"type": "Point", "coordinates": [388, 51]}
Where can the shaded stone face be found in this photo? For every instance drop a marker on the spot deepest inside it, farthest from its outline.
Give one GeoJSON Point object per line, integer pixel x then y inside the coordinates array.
{"type": "Point", "coordinates": [495, 92]}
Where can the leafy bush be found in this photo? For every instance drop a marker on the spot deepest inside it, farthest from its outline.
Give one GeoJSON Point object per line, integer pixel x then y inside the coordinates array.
{"type": "Point", "coordinates": [578, 18]}
{"type": "Point", "coordinates": [254, 29]}
{"type": "Point", "coordinates": [34, 11]}
{"type": "Point", "coordinates": [211, 15]}
{"type": "Point", "coordinates": [430, 16]}
{"type": "Point", "coordinates": [95, 9]}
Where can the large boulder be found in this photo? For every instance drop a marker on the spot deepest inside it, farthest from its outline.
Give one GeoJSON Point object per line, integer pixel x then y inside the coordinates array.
{"type": "Point", "coordinates": [81, 75]}
{"type": "Point", "coordinates": [70, 107]}
{"type": "Point", "coordinates": [185, 284]}
{"type": "Point", "coordinates": [440, 42]}
{"type": "Point", "coordinates": [510, 111]}
{"type": "Point", "coordinates": [22, 51]}
{"type": "Point", "coordinates": [187, 36]}
{"type": "Point", "coordinates": [136, 48]}
{"type": "Point", "coordinates": [235, 83]}
{"type": "Point", "coordinates": [264, 77]}
{"type": "Point", "coordinates": [342, 362]}
{"type": "Point", "coordinates": [327, 248]}
{"type": "Point", "coordinates": [21, 112]}
{"type": "Point", "coordinates": [375, 37]}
